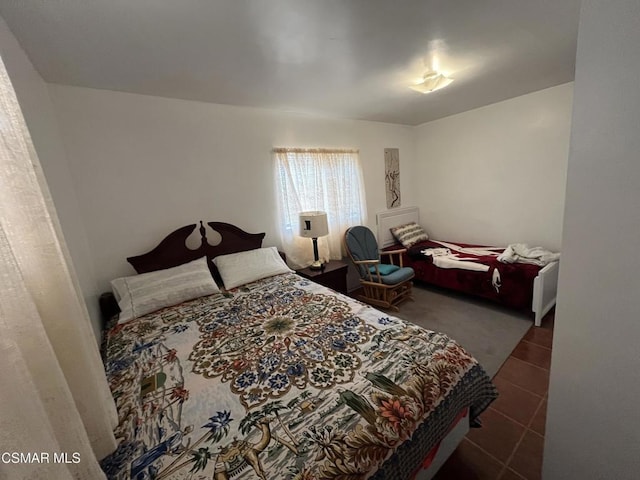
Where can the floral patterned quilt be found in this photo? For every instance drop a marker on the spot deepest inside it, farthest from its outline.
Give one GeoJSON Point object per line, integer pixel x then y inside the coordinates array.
{"type": "Point", "coordinates": [282, 379]}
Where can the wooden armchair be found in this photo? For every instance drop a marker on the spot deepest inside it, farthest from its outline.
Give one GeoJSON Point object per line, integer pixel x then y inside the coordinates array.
{"type": "Point", "coordinates": [385, 285]}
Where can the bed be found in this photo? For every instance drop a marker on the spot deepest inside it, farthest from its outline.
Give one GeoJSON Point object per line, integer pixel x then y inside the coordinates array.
{"type": "Point", "coordinates": [516, 285]}
{"type": "Point", "coordinates": [280, 378]}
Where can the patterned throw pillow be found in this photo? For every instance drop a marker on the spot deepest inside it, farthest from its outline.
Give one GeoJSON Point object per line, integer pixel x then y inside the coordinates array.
{"type": "Point", "coordinates": [409, 234]}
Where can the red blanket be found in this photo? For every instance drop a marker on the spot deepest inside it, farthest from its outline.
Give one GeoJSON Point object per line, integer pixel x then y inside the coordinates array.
{"type": "Point", "coordinates": [514, 287]}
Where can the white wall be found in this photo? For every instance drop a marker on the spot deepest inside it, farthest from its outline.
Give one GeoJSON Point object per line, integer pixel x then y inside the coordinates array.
{"type": "Point", "coordinates": [37, 109]}
{"type": "Point", "coordinates": [593, 419]}
{"type": "Point", "coordinates": [144, 165]}
{"type": "Point", "coordinates": [496, 174]}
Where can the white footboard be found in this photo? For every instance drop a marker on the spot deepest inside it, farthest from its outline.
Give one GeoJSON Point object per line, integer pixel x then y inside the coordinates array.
{"type": "Point", "coordinates": [545, 286]}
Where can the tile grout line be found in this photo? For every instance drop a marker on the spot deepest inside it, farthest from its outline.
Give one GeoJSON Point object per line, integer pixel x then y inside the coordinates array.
{"type": "Point", "coordinates": [505, 465]}
{"type": "Point", "coordinates": [534, 343]}
{"type": "Point", "coordinates": [524, 431]}
{"type": "Point", "coordinates": [520, 424]}
{"type": "Point", "coordinates": [528, 363]}
{"type": "Point", "coordinates": [547, 370]}
{"type": "Point", "coordinates": [531, 364]}
{"type": "Point", "coordinates": [506, 468]}
{"type": "Point", "coordinates": [535, 414]}
{"type": "Point", "coordinates": [485, 452]}
{"type": "Point", "coordinates": [522, 388]}
{"type": "Point", "coordinates": [527, 428]}
{"type": "Point", "coordinates": [524, 340]}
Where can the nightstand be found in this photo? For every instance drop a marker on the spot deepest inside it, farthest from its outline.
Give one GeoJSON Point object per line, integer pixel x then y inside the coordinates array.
{"type": "Point", "coordinates": [333, 275]}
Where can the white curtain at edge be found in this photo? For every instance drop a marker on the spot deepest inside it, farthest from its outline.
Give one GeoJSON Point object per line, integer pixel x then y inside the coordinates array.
{"type": "Point", "coordinates": [54, 397]}
{"type": "Point", "coordinates": [318, 179]}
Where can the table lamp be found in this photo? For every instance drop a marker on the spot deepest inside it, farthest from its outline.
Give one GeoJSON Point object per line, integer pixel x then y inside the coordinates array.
{"type": "Point", "coordinates": [314, 225]}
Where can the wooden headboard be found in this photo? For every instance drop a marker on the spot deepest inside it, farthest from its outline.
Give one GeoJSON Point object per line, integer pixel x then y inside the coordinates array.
{"type": "Point", "coordinates": [173, 251]}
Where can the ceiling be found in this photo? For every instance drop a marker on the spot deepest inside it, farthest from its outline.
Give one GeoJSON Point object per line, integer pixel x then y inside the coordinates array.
{"type": "Point", "coordinates": [338, 58]}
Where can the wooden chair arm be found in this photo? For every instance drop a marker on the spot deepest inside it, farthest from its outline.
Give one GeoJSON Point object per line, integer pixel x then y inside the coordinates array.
{"type": "Point", "coordinates": [401, 250]}
{"type": "Point", "coordinates": [369, 274]}
{"type": "Point", "coordinates": [391, 253]}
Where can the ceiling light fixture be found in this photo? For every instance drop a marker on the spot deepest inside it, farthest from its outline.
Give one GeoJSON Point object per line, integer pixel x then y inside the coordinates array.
{"type": "Point", "coordinates": [431, 82]}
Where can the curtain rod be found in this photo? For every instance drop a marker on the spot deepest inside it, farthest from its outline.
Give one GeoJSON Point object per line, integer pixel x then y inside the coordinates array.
{"type": "Point", "coordinates": [314, 150]}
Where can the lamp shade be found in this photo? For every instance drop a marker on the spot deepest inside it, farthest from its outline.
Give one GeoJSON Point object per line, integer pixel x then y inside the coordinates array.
{"type": "Point", "coordinates": [313, 224]}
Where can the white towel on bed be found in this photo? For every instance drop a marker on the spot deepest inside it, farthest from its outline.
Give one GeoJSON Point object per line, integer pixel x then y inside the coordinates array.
{"type": "Point", "coordinates": [445, 258]}
{"type": "Point", "coordinates": [452, 261]}
{"type": "Point", "coordinates": [523, 253]}
{"type": "Point", "coordinates": [479, 251]}
{"type": "Point", "coordinates": [435, 252]}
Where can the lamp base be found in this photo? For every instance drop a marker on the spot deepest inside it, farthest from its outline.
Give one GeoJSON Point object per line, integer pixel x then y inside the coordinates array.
{"type": "Point", "coordinates": [317, 265]}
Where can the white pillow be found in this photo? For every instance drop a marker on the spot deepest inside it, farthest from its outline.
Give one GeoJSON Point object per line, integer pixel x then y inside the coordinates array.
{"type": "Point", "coordinates": [148, 292]}
{"type": "Point", "coordinates": [239, 268]}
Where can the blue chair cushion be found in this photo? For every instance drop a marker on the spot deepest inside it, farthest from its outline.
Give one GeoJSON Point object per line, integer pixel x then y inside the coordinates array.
{"type": "Point", "coordinates": [384, 269]}
{"type": "Point", "coordinates": [400, 275]}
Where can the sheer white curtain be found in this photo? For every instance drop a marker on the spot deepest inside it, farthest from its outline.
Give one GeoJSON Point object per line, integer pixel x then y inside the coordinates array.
{"type": "Point", "coordinates": [318, 179]}
{"type": "Point", "coordinates": [54, 397]}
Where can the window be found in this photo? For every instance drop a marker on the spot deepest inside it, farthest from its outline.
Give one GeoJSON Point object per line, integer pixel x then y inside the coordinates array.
{"type": "Point", "coordinates": [318, 179]}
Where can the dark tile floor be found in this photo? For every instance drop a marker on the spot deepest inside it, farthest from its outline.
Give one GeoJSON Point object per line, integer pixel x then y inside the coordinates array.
{"type": "Point", "coordinates": [510, 443]}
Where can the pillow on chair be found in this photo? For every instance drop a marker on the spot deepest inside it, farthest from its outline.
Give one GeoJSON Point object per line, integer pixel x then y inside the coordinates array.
{"type": "Point", "coordinates": [384, 269]}
{"type": "Point", "coordinates": [409, 234]}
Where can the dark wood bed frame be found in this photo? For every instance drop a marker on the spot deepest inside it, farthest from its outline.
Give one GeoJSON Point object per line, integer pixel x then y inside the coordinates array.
{"type": "Point", "coordinates": [173, 251]}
